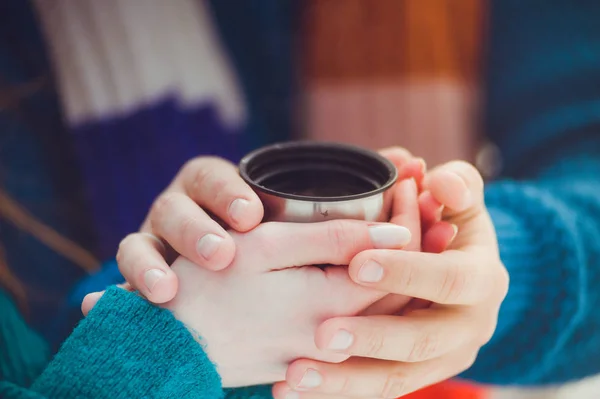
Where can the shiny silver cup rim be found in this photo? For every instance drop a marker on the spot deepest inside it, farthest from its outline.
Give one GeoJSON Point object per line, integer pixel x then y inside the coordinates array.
{"type": "Point", "coordinates": [246, 162]}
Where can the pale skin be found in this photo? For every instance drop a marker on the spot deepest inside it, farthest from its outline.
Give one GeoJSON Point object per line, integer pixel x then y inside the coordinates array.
{"type": "Point", "coordinates": [398, 353]}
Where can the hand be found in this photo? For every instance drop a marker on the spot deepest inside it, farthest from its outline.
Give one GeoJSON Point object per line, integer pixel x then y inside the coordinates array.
{"type": "Point", "coordinates": [180, 222]}
{"type": "Point", "coordinates": [396, 355]}
{"type": "Point", "coordinates": [261, 313]}
{"type": "Point", "coordinates": [430, 233]}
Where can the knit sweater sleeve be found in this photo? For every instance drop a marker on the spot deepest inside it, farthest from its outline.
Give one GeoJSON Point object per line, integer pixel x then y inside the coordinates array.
{"type": "Point", "coordinates": [543, 113]}
{"type": "Point", "coordinates": [125, 348]}
{"type": "Point", "coordinates": [548, 228]}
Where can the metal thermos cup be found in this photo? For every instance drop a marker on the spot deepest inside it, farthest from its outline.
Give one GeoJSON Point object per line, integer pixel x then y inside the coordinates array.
{"type": "Point", "coordinates": [312, 182]}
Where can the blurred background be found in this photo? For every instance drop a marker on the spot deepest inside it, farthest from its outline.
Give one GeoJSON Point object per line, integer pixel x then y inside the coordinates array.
{"type": "Point", "coordinates": [101, 102]}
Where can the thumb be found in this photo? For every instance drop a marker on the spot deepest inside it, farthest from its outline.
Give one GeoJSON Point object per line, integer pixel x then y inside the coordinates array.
{"type": "Point", "coordinates": [458, 186]}
{"type": "Point", "coordinates": [90, 301]}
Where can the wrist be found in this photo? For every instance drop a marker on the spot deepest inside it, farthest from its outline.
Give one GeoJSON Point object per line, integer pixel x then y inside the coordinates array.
{"type": "Point", "coordinates": [240, 362]}
{"type": "Point", "coordinates": [126, 344]}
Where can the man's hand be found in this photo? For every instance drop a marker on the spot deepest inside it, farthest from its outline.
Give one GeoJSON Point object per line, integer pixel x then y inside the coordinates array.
{"type": "Point", "coordinates": [397, 354]}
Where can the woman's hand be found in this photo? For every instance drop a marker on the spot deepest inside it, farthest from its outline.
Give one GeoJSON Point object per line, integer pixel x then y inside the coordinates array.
{"type": "Point", "coordinates": [396, 355]}
{"type": "Point", "coordinates": [181, 222]}
{"type": "Point", "coordinates": [261, 313]}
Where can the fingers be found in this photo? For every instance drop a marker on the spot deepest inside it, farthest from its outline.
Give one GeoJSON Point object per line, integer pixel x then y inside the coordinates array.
{"type": "Point", "coordinates": [141, 260]}
{"type": "Point", "coordinates": [397, 155]}
{"type": "Point", "coordinates": [405, 210]}
{"type": "Point", "coordinates": [89, 301]}
{"type": "Point", "coordinates": [430, 210]}
{"type": "Point", "coordinates": [177, 219]}
{"type": "Point", "coordinates": [333, 242]}
{"type": "Point", "coordinates": [407, 165]}
{"type": "Point", "coordinates": [437, 238]}
{"type": "Point", "coordinates": [369, 378]}
{"type": "Point", "coordinates": [413, 169]}
{"type": "Point", "coordinates": [457, 185]}
{"type": "Point", "coordinates": [452, 277]}
{"type": "Point", "coordinates": [421, 336]}
{"type": "Point", "coordinates": [216, 185]}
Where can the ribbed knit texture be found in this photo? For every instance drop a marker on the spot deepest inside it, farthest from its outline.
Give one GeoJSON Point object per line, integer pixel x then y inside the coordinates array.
{"type": "Point", "coordinates": [543, 111]}
{"type": "Point", "coordinates": [542, 100]}
{"type": "Point", "coordinates": [548, 231]}
{"type": "Point", "coordinates": [125, 348]}
{"type": "Point", "coordinates": [24, 354]}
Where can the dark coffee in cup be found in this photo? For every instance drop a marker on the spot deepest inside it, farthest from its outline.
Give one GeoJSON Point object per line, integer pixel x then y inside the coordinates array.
{"type": "Point", "coordinates": [311, 182]}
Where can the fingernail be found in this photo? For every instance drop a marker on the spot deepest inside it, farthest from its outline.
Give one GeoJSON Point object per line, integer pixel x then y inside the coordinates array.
{"type": "Point", "coordinates": [208, 245]}
{"type": "Point", "coordinates": [370, 272]}
{"type": "Point", "coordinates": [341, 341]}
{"type": "Point", "coordinates": [292, 395]}
{"type": "Point", "coordinates": [388, 236]}
{"type": "Point", "coordinates": [237, 209]}
{"type": "Point", "coordinates": [310, 379]}
{"type": "Point", "coordinates": [455, 229]}
{"type": "Point", "coordinates": [151, 277]}
{"type": "Point", "coordinates": [422, 163]}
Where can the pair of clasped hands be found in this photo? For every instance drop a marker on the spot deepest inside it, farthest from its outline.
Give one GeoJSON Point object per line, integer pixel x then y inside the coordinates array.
{"type": "Point", "coordinates": [411, 305]}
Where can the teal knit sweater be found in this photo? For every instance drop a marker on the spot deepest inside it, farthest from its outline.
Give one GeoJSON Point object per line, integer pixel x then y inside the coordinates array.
{"type": "Point", "coordinates": [543, 111]}
{"type": "Point", "coordinates": [125, 348]}
{"type": "Point", "coordinates": [547, 230]}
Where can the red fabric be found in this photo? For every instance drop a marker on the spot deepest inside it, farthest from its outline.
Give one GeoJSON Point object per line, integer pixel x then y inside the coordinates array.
{"type": "Point", "coordinates": [450, 390]}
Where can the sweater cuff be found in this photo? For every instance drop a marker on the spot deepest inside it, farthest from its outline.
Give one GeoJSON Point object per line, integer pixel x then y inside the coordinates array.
{"type": "Point", "coordinates": [544, 292]}
{"type": "Point", "coordinates": [517, 252]}
{"type": "Point", "coordinates": [127, 347]}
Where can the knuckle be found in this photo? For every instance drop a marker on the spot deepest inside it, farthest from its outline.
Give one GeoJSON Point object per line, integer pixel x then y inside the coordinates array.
{"type": "Point", "coordinates": [470, 173]}
{"type": "Point", "coordinates": [396, 385]}
{"type": "Point", "coordinates": [162, 204]}
{"type": "Point", "coordinates": [262, 239]}
{"type": "Point", "coordinates": [198, 163]}
{"type": "Point", "coordinates": [120, 257]}
{"type": "Point", "coordinates": [398, 151]}
{"type": "Point", "coordinates": [406, 279]}
{"type": "Point", "coordinates": [468, 362]}
{"type": "Point", "coordinates": [503, 282]}
{"type": "Point", "coordinates": [127, 241]}
{"type": "Point", "coordinates": [206, 175]}
{"type": "Point", "coordinates": [124, 245]}
{"type": "Point", "coordinates": [374, 344]}
{"type": "Point", "coordinates": [346, 386]}
{"type": "Point", "coordinates": [487, 333]}
{"type": "Point", "coordinates": [129, 259]}
{"type": "Point", "coordinates": [454, 284]}
{"type": "Point", "coordinates": [339, 237]}
{"type": "Point", "coordinates": [191, 165]}
{"type": "Point", "coordinates": [189, 227]}
{"type": "Point", "coordinates": [425, 347]}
